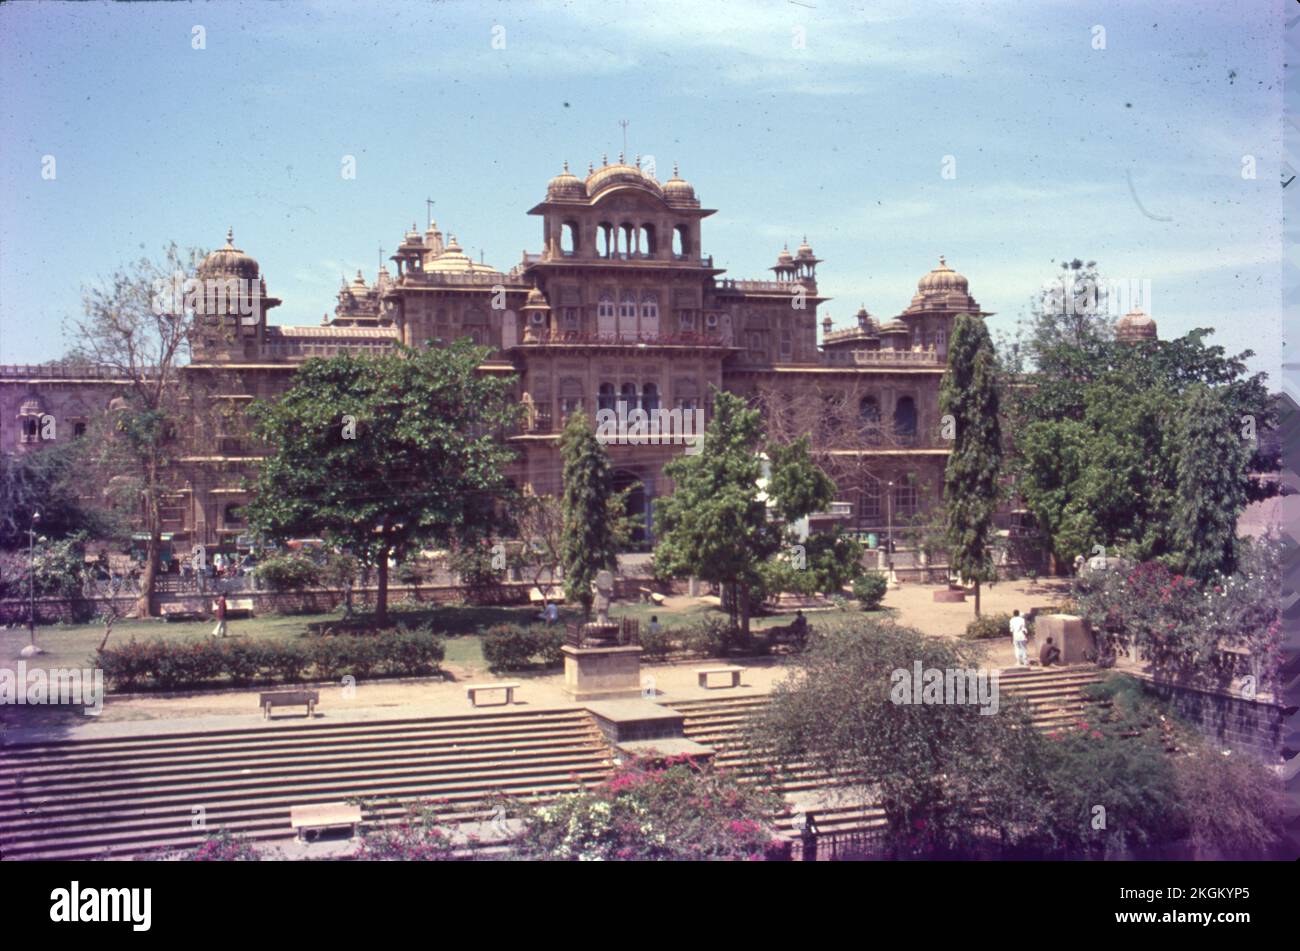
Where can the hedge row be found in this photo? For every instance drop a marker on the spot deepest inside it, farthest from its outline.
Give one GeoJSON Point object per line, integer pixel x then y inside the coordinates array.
{"type": "Point", "coordinates": [518, 647]}
{"type": "Point", "coordinates": [172, 664]}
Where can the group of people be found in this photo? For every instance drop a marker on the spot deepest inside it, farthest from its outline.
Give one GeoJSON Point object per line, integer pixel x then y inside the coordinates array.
{"type": "Point", "coordinates": [1048, 654]}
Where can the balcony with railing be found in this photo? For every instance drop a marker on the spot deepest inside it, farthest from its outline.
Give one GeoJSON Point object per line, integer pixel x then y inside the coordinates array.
{"type": "Point", "coordinates": [574, 338]}
{"type": "Point", "coordinates": [882, 358]}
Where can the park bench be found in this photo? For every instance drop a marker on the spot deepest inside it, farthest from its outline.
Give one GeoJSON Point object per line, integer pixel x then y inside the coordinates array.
{"type": "Point", "coordinates": [650, 596]}
{"type": "Point", "coordinates": [308, 822]}
{"type": "Point", "coordinates": [473, 690]}
{"type": "Point", "coordinates": [236, 607]}
{"type": "Point", "coordinates": [734, 672]}
{"type": "Point", "coordinates": [186, 611]}
{"type": "Point", "coordinates": [284, 698]}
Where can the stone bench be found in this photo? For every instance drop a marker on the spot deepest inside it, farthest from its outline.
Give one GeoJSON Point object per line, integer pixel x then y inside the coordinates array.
{"type": "Point", "coordinates": [308, 822]}
{"type": "Point", "coordinates": [473, 690]}
{"type": "Point", "coordinates": [703, 674]}
{"type": "Point", "coordinates": [236, 607]}
{"type": "Point", "coordinates": [284, 698]}
{"type": "Point", "coordinates": [181, 612]}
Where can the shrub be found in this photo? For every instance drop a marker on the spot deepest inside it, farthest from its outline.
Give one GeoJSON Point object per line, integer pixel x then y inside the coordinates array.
{"type": "Point", "coordinates": [242, 659]}
{"type": "Point", "coordinates": [650, 811]}
{"type": "Point", "coordinates": [412, 653]}
{"type": "Point", "coordinates": [289, 572]}
{"type": "Point", "coordinates": [707, 637]}
{"type": "Point", "coordinates": [514, 646]}
{"type": "Point", "coordinates": [222, 847]}
{"type": "Point", "coordinates": [988, 627]}
{"type": "Point", "coordinates": [173, 664]}
{"type": "Point", "coordinates": [285, 660]}
{"type": "Point", "coordinates": [416, 837]}
{"type": "Point", "coordinates": [655, 646]}
{"type": "Point", "coordinates": [870, 589]}
{"type": "Point", "coordinates": [128, 665]}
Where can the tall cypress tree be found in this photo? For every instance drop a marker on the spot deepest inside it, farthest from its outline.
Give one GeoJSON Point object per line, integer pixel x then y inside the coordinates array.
{"type": "Point", "coordinates": [1212, 480]}
{"type": "Point", "coordinates": [971, 481]}
{"type": "Point", "coordinates": [588, 543]}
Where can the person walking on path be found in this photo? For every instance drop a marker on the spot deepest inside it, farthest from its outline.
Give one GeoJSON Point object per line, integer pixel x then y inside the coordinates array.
{"type": "Point", "coordinates": [1020, 639]}
{"type": "Point", "coordinates": [220, 629]}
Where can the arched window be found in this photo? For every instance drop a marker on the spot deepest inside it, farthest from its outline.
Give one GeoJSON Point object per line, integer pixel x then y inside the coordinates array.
{"type": "Point", "coordinates": [234, 514]}
{"type": "Point", "coordinates": [627, 306]}
{"type": "Point", "coordinates": [605, 396]}
{"type": "Point", "coordinates": [607, 239]}
{"type": "Point", "coordinates": [681, 241]}
{"type": "Point", "coordinates": [627, 397]}
{"type": "Point", "coordinates": [648, 243]}
{"type": "Point", "coordinates": [687, 393]}
{"type": "Point", "coordinates": [869, 410]}
{"type": "Point", "coordinates": [606, 306]}
{"type": "Point", "coordinates": [570, 396]}
{"type": "Point", "coordinates": [905, 417]}
{"type": "Point", "coordinates": [628, 237]}
{"type": "Point", "coordinates": [649, 306]}
{"type": "Point", "coordinates": [569, 238]}
{"type": "Point", "coordinates": [650, 397]}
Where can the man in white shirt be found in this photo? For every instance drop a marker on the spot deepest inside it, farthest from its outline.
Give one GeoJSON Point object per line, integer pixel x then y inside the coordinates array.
{"type": "Point", "coordinates": [1020, 639]}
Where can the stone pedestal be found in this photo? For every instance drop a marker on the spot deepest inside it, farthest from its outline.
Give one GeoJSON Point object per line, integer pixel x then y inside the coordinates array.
{"type": "Point", "coordinates": [1069, 633]}
{"type": "Point", "coordinates": [602, 673]}
{"type": "Point", "coordinates": [646, 730]}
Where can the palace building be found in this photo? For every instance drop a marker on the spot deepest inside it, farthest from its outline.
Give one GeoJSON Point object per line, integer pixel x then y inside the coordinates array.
{"type": "Point", "coordinates": [622, 306]}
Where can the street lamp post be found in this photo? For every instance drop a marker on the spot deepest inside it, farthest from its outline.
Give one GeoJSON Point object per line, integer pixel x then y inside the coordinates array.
{"type": "Point", "coordinates": [31, 650]}
{"type": "Point", "coordinates": [889, 533]}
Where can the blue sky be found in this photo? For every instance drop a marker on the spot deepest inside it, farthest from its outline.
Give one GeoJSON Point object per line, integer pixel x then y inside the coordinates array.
{"type": "Point", "coordinates": [842, 139]}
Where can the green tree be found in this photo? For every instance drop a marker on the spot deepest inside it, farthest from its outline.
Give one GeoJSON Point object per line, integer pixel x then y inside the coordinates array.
{"type": "Point", "coordinates": [937, 769]}
{"type": "Point", "coordinates": [49, 481]}
{"type": "Point", "coordinates": [716, 524]}
{"type": "Point", "coordinates": [969, 395]}
{"type": "Point", "coordinates": [589, 536]}
{"type": "Point", "coordinates": [1211, 480]}
{"type": "Point", "coordinates": [136, 328]}
{"type": "Point", "coordinates": [380, 455]}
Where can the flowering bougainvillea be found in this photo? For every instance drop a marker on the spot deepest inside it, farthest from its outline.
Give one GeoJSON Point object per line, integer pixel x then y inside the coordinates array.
{"type": "Point", "coordinates": [1183, 627]}
{"type": "Point", "coordinates": [223, 846]}
{"type": "Point", "coordinates": [416, 837]}
{"type": "Point", "coordinates": [670, 809]}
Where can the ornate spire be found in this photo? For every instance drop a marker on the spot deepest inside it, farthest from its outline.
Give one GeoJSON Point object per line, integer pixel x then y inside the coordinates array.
{"type": "Point", "coordinates": [230, 237]}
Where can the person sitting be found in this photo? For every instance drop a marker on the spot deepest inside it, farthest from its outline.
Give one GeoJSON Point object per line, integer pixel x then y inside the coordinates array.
{"type": "Point", "coordinates": [799, 625]}
{"type": "Point", "coordinates": [1049, 654]}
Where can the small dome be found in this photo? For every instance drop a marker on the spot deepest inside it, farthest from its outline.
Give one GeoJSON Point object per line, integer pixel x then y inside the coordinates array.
{"type": "Point", "coordinates": [677, 189]}
{"type": "Point", "coordinates": [805, 250]}
{"type": "Point", "coordinates": [1135, 326]}
{"type": "Point", "coordinates": [784, 257]}
{"type": "Point", "coordinates": [359, 287]}
{"type": "Point", "coordinates": [566, 186]}
{"type": "Point", "coordinates": [864, 319]}
{"type": "Point", "coordinates": [32, 406]}
{"type": "Point", "coordinates": [536, 300]}
{"type": "Point", "coordinates": [941, 280]}
{"type": "Point", "coordinates": [412, 237]}
{"type": "Point", "coordinates": [230, 261]}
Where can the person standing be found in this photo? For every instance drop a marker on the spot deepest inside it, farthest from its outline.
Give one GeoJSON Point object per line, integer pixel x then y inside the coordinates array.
{"type": "Point", "coordinates": [220, 629]}
{"type": "Point", "coordinates": [1020, 638]}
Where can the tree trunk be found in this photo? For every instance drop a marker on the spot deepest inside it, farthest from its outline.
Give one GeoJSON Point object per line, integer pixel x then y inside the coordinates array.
{"type": "Point", "coordinates": [977, 597]}
{"type": "Point", "coordinates": [148, 578]}
{"type": "Point", "coordinates": [381, 597]}
{"type": "Point", "coordinates": [742, 595]}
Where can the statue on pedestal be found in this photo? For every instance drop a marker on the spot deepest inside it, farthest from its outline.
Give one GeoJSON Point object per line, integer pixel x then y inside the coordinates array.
{"type": "Point", "coordinates": [603, 587]}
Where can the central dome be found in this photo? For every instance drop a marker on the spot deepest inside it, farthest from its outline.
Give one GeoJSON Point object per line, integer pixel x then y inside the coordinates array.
{"type": "Point", "coordinates": [942, 279]}
{"type": "Point", "coordinates": [230, 261]}
{"type": "Point", "coordinates": [611, 176]}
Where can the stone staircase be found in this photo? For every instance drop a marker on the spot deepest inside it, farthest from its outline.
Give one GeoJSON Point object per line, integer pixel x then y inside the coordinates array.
{"type": "Point", "coordinates": [98, 798]}
{"type": "Point", "coordinates": [1055, 697]}
{"type": "Point", "coordinates": [120, 796]}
